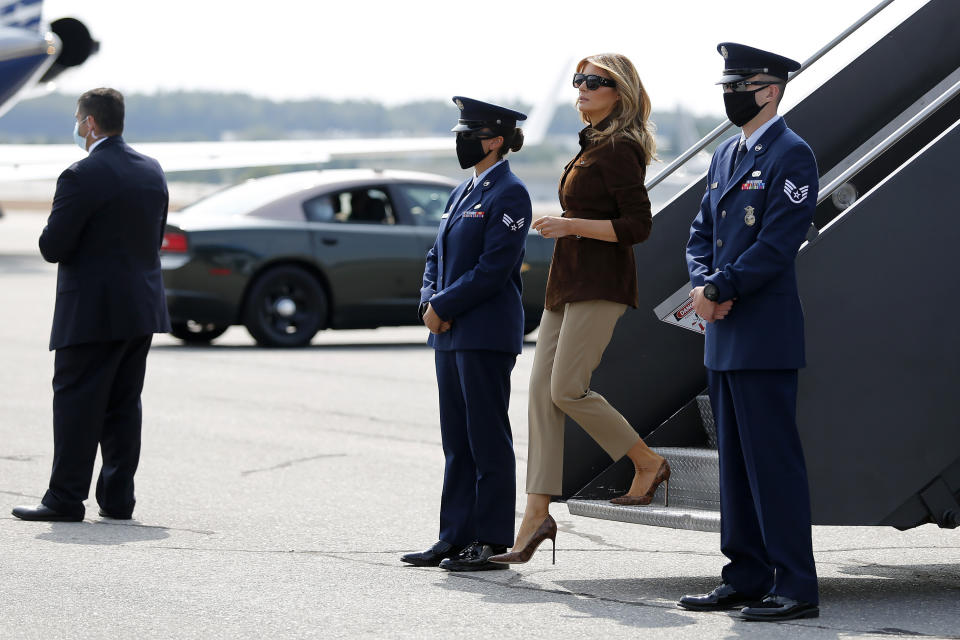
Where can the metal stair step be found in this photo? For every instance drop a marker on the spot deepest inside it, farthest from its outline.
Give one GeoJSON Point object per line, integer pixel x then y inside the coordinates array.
{"type": "Point", "coordinates": [706, 416]}
{"type": "Point", "coordinates": [673, 517]}
{"type": "Point", "coordinates": [694, 478]}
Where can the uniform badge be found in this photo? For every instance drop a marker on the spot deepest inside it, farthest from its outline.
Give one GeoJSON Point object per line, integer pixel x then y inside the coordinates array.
{"type": "Point", "coordinates": [795, 193]}
{"type": "Point", "coordinates": [445, 216]}
{"type": "Point", "coordinates": [478, 206]}
{"type": "Point", "coordinates": [459, 104]}
{"type": "Point", "coordinates": [753, 184]}
{"type": "Point", "coordinates": [749, 219]}
{"type": "Point", "coordinates": [755, 174]}
{"type": "Point", "coordinates": [724, 53]}
{"type": "Point", "coordinates": [759, 147]}
{"type": "Point", "coordinates": [714, 185]}
{"type": "Point", "coordinates": [486, 183]}
{"type": "Point", "coordinates": [511, 224]}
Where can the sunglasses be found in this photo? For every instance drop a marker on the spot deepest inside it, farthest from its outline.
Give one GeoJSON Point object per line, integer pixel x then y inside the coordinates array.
{"type": "Point", "coordinates": [743, 85]}
{"type": "Point", "coordinates": [484, 134]}
{"type": "Point", "coordinates": [593, 82]}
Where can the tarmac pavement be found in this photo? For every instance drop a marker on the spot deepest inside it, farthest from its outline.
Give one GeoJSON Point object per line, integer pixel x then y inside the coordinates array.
{"type": "Point", "coordinates": [278, 488]}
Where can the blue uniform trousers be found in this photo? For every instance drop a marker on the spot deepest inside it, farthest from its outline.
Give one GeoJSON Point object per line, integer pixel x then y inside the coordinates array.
{"type": "Point", "coordinates": [479, 479]}
{"type": "Point", "coordinates": [764, 495]}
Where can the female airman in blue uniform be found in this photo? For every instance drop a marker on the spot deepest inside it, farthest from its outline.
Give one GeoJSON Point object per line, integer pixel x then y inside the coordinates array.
{"type": "Point", "coordinates": [471, 303]}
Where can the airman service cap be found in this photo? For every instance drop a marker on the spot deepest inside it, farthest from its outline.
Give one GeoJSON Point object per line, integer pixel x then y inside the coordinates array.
{"type": "Point", "coordinates": [477, 116]}
{"type": "Point", "coordinates": [740, 62]}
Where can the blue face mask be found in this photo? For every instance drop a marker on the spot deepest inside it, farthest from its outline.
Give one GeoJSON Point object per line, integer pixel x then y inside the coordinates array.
{"type": "Point", "coordinates": [80, 140]}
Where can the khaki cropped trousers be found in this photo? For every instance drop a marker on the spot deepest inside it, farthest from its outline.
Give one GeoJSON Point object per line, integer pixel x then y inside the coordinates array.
{"type": "Point", "coordinates": [569, 347]}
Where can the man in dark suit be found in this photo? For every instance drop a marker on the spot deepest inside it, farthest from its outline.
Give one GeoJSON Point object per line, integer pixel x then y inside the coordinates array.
{"type": "Point", "coordinates": [105, 231]}
{"type": "Point", "coordinates": [761, 194]}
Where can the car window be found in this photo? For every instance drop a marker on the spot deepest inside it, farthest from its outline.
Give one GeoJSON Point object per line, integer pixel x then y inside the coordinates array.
{"type": "Point", "coordinates": [363, 205]}
{"type": "Point", "coordinates": [425, 202]}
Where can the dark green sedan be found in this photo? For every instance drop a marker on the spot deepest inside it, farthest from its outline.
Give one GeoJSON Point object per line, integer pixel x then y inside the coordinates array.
{"type": "Point", "coordinates": [289, 255]}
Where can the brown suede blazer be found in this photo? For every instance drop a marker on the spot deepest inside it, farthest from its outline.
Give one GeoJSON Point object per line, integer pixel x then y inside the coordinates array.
{"type": "Point", "coordinates": [603, 182]}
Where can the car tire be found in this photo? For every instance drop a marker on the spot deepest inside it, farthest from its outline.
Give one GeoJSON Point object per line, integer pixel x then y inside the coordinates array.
{"type": "Point", "coordinates": [196, 333]}
{"type": "Point", "coordinates": [285, 307]}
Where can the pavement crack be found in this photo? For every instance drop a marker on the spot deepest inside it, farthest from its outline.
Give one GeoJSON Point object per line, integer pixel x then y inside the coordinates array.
{"type": "Point", "coordinates": [19, 458]}
{"type": "Point", "coordinates": [203, 532]}
{"type": "Point", "coordinates": [20, 495]}
{"type": "Point", "coordinates": [290, 463]}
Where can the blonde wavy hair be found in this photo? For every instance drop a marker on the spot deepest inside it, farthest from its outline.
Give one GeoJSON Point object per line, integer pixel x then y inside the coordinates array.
{"type": "Point", "coordinates": [630, 117]}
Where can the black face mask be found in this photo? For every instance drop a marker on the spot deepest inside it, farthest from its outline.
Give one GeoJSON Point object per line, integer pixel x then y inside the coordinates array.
{"type": "Point", "coordinates": [741, 106]}
{"type": "Point", "coordinates": [469, 151]}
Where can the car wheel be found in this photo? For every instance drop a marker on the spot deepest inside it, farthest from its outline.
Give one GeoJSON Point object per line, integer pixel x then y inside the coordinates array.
{"type": "Point", "coordinates": [195, 332]}
{"type": "Point", "coordinates": [285, 308]}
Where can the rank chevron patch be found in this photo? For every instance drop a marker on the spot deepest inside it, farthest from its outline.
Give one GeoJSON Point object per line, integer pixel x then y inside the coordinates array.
{"type": "Point", "coordinates": [513, 225]}
{"type": "Point", "coordinates": [795, 193]}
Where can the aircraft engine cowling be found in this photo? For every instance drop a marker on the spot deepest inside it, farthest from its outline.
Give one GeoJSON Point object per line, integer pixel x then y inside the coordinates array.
{"type": "Point", "coordinates": [76, 46]}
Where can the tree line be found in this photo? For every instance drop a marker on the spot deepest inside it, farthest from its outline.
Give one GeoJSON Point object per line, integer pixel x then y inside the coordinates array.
{"type": "Point", "coordinates": [193, 115]}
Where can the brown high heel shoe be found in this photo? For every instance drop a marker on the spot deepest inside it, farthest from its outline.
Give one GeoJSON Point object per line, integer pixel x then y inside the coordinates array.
{"type": "Point", "coordinates": [547, 529]}
{"type": "Point", "coordinates": [663, 475]}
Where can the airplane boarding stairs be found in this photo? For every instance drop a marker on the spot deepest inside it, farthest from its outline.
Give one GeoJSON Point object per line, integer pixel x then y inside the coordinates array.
{"type": "Point", "coordinates": [881, 439]}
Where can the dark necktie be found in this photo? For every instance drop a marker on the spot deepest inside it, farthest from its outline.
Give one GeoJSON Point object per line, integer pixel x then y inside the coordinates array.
{"type": "Point", "coordinates": [463, 196]}
{"type": "Point", "coordinates": [741, 151]}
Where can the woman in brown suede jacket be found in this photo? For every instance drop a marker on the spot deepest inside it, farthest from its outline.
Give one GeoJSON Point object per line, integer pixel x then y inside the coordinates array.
{"type": "Point", "coordinates": [593, 278]}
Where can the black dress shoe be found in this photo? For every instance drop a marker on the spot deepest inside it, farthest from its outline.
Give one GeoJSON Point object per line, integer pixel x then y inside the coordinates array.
{"type": "Point", "coordinates": [114, 516]}
{"type": "Point", "coordinates": [476, 557]}
{"type": "Point", "coordinates": [432, 556]}
{"type": "Point", "coordinates": [720, 599]}
{"type": "Point", "coordinates": [776, 608]}
{"type": "Point", "coordinates": [42, 512]}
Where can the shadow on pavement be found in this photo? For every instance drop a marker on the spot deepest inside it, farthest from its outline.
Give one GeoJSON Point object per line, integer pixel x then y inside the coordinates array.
{"type": "Point", "coordinates": [911, 600]}
{"type": "Point", "coordinates": [365, 346]}
{"type": "Point", "coordinates": [102, 533]}
{"type": "Point", "coordinates": [619, 600]}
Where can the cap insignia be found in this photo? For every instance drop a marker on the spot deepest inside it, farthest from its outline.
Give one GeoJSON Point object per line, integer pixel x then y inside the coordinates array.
{"type": "Point", "coordinates": [459, 103]}
{"type": "Point", "coordinates": [723, 52]}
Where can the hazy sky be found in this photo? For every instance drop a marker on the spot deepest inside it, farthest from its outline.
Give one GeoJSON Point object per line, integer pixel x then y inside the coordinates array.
{"type": "Point", "coordinates": [403, 51]}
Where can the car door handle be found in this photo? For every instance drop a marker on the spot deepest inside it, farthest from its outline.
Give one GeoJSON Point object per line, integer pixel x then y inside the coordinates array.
{"type": "Point", "coordinates": [330, 241]}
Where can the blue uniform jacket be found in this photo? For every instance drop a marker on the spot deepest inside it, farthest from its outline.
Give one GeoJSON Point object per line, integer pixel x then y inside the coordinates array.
{"type": "Point", "coordinates": [105, 231]}
{"type": "Point", "coordinates": [472, 275]}
{"type": "Point", "coordinates": [745, 241]}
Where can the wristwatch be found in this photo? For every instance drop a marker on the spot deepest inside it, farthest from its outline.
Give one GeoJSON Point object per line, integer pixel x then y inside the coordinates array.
{"type": "Point", "coordinates": [710, 292]}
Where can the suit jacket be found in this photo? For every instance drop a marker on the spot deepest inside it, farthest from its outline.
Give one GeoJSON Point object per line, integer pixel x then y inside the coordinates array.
{"type": "Point", "coordinates": [472, 275]}
{"type": "Point", "coordinates": [745, 241]}
{"type": "Point", "coordinates": [603, 182]}
{"type": "Point", "coordinates": [105, 231]}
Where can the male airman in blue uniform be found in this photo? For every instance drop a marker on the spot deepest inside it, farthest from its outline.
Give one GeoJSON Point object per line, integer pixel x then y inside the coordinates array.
{"type": "Point", "coordinates": [759, 202]}
{"type": "Point", "coordinates": [471, 303]}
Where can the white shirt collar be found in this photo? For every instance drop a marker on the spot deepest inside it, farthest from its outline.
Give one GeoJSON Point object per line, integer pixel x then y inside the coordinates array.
{"type": "Point", "coordinates": [762, 129]}
{"type": "Point", "coordinates": [478, 178]}
{"type": "Point", "coordinates": [94, 145]}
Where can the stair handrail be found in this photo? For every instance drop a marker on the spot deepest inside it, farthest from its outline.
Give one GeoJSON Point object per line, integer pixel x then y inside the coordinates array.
{"type": "Point", "coordinates": [889, 141]}
{"type": "Point", "coordinates": [726, 124]}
